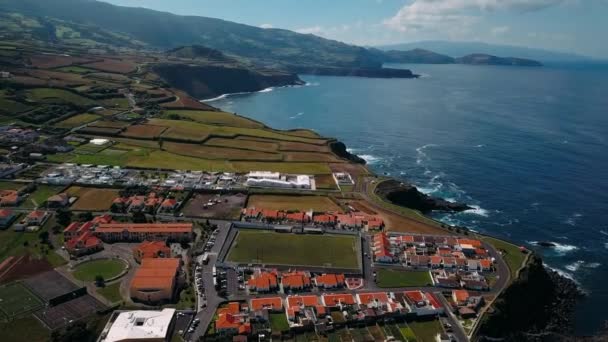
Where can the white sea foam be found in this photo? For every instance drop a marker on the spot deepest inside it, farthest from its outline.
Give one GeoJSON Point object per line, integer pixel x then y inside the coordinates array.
{"type": "Point", "coordinates": [312, 84]}
{"type": "Point", "coordinates": [421, 154]}
{"type": "Point", "coordinates": [573, 267]}
{"type": "Point", "coordinates": [480, 146]}
{"type": "Point", "coordinates": [606, 245]}
{"type": "Point", "coordinates": [603, 232]}
{"type": "Point", "coordinates": [562, 272]}
{"type": "Point", "coordinates": [572, 220]}
{"type": "Point", "coordinates": [370, 159]}
{"type": "Point", "coordinates": [223, 96]}
{"type": "Point", "coordinates": [267, 90]}
{"type": "Point", "coordinates": [477, 210]}
{"type": "Point", "coordinates": [297, 115]}
{"type": "Point", "coordinates": [563, 248]}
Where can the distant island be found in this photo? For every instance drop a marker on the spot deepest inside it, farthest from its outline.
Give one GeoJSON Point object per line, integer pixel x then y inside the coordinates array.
{"type": "Point", "coordinates": [422, 56]}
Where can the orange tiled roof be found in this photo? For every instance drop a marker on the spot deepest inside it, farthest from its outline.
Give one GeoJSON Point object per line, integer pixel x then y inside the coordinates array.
{"type": "Point", "coordinates": [156, 274]}
{"type": "Point", "coordinates": [5, 213]}
{"type": "Point", "coordinates": [330, 280]}
{"type": "Point", "coordinates": [366, 298]}
{"type": "Point", "coordinates": [335, 299]}
{"type": "Point", "coordinates": [36, 214]}
{"type": "Point", "coordinates": [263, 281]}
{"type": "Point", "coordinates": [461, 295]}
{"type": "Point", "coordinates": [145, 227]}
{"type": "Point", "coordinates": [275, 303]}
{"type": "Point", "coordinates": [474, 243]}
{"type": "Point", "coordinates": [232, 308]}
{"type": "Point", "coordinates": [295, 280]}
{"type": "Point", "coordinates": [296, 301]}
{"type": "Point", "coordinates": [152, 249]}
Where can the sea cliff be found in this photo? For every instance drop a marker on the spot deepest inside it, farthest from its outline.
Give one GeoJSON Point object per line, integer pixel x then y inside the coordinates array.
{"type": "Point", "coordinates": [205, 82]}
{"type": "Point", "coordinates": [407, 195]}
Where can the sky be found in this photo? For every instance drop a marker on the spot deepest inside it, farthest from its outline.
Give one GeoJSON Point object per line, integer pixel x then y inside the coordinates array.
{"type": "Point", "coordinates": [578, 26]}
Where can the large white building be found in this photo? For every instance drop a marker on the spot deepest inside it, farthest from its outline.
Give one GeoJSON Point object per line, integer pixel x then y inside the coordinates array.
{"type": "Point", "coordinates": [141, 325]}
{"type": "Point", "coordinates": [268, 179]}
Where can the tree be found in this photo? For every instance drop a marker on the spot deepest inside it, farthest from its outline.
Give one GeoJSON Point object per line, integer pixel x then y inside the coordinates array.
{"type": "Point", "coordinates": [64, 217]}
{"type": "Point", "coordinates": [76, 332]}
{"type": "Point", "coordinates": [85, 217]}
{"type": "Point", "coordinates": [100, 281]}
{"type": "Point", "coordinates": [139, 217]}
{"type": "Point", "coordinates": [44, 237]}
{"type": "Point", "coordinates": [56, 229]}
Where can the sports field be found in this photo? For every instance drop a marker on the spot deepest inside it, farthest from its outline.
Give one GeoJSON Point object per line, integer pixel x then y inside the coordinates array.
{"type": "Point", "coordinates": [262, 246]}
{"type": "Point", "coordinates": [394, 278]}
{"type": "Point", "coordinates": [16, 299]}
{"type": "Point", "coordinates": [92, 199]}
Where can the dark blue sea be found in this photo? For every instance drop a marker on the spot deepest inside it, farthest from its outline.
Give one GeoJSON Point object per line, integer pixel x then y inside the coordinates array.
{"type": "Point", "coordinates": [528, 147]}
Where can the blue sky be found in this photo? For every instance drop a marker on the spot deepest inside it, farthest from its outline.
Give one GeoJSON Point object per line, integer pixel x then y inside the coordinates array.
{"type": "Point", "coordinates": [562, 25]}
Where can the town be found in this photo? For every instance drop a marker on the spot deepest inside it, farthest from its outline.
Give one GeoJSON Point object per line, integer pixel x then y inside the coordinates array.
{"type": "Point", "coordinates": [130, 211]}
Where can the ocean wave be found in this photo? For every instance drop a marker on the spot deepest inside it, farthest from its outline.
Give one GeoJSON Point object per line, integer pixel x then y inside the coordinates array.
{"type": "Point", "coordinates": [560, 249]}
{"type": "Point", "coordinates": [312, 84]}
{"type": "Point", "coordinates": [575, 266]}
{"type": "Point", "coordinates": [479, 146]}
{"type": "Point", "coordinates": [603, 232]}
{"type": "Point", "coordinates": [267, 90]}
{"type": "Point", "coordinates": [370, 159]}
{"type": "Point", "coordinates": [572, 220]}
{"type": "Point", "coordinates": [562, 273]}
{"type": "Point", "coordinates": [422, 156]}
{"type": "Point", "coordinates": [477, 210]}
{"type": "Point", "coordinates": [297, 116]}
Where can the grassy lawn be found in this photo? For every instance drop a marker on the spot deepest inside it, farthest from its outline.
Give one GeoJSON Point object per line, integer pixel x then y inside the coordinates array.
{"type": "Point", "coordinates": [394, 278]}
{"type": "Point", "coordinates": [278, 322]}
{"type": "Point", "coordinates": [510, 252]}
{"type": "Point", "coordinates": [38, 197]}
{"type": "Point", "coordinates": [19, 243]}
{"type": "Point", "coordinates": [107, 268]}
{"type": "Point", "coordinates": [111, 292]}
{"type": "Point", "coordinates": [426, 331]}
{"type": "Point", "coordinates": [77, 120]}
{"type": "Point", "coordinates": [290, 249]}
{"type": "Point", "coordinates": [286, 202]}
{"type": "Point", "coordinates": [186, 299]}
{"type": "Point", "coordinates": [29, 327]}
{"type": "Point", "coordinates": [408, 334]}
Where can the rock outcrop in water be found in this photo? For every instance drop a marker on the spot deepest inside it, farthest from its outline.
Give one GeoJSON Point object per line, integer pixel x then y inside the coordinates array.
{"type": "Point", "coordinates": [339, 149]}
{"type": "Point", "coordinates": [204, 82]}
{"type": "Point", "coordinates": [407, 195]}
{"type": "Point", "coordinates": [537, 306]}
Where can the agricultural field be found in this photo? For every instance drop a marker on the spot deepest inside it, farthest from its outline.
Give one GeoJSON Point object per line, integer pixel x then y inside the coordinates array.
{"type": "Point", "coordinates": [389, 278]}
{"type": "Point", "coordinates": [107, 268]}
{"type": "Point", "coordinates": [243, 143]}
{"type": "Point", "coordinates": [335, 251]}
{"type": "Point", "coordinates": [287, 203]}
{"type": "Point", "coordinates": [77, 120]}
{"type": "Point", "coordinates": [92, 199]}
{"type": "Point", "coordinates": [212, 152]}
{"type": "Point", "coordinates": [16, 299]}
{"type": "Point", "coordinates": [113, 65]}
{"type": "Point", "coordinates": [213, 118]}
{"type": "Point", "coordinates": [144, 131]}
{"type": "Point", "coordinates": [326, 182]}
{"type": "Point", "coordinates": [52, 95]}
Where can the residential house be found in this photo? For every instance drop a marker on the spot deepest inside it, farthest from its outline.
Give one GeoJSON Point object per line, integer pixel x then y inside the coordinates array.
{"type": "Point", "coordinates": [58, 201]}
{"type": "Point", "coordinates": [295, 281]}
{"type": "Point", "coordinates": [9, 198]}
{"type": "Point", "coordinates": [269, 303]}
{"type": "Point", "coordinates": [263, 282]}
{"type": "Point", "coordinates": [7, 217]}
{"type": "Point", "coordinates": [422, 303]}
{"type": "Point", "coordinates": [329, 281]}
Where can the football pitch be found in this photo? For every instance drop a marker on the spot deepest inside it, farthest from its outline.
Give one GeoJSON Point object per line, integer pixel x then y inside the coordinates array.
{"type": "Point", "coordinates": [16, 299]}
{"type": "Point", "coordinates": [268, 247]}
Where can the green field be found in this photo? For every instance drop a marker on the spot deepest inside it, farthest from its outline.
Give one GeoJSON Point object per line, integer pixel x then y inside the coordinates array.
{"type": "Point", "coordinates": [278, 322]}
{"type": "Point", "coordinates": [339, 251]}
{"type": "Point", "coordinates": [510, 252]}
{"type": "Point", "coordinates": [16, 299]}
{"type": "Point", "coordinates": [408, 333]}
{"type": "Point", "coordinates": [38, 197]}
{"type": "Point", "coordinates": [214, 118]}
{"type": "Point", "coordinates": [76, 69]}
{"type": "Point", "coordinates": [287, 203]}
{"type": "Point", "coordinates": [111, 292]}
{"type": "Point", "coordinates": [107, 268]}
{"type": "Point", "coordinates": [77, 120]}
{"type": "Point", "coordinates": [394, 278]}
{"type": "Point", "coordinates": [28, 326]}
{"type": "Point", "coordinates": [426, 331]}
{"type": "Point", "coordinates": [52, 95]}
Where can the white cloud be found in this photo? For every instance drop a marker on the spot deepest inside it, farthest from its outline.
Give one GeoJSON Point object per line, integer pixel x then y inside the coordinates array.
{"type": "Point", "coordinates": [498, 30]}
{"type": "Point", "coordinates": [311, 30]}
{"type": "Point", "coordinates": [444, 15]}
{"type": "Point", "coordinates": [266, 26]}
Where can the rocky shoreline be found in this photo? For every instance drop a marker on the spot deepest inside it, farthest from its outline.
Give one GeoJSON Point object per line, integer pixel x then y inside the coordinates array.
{"type": "Point", "coordinates": [537, 306]}
{"type": "Point", "coordinates": [407, 195]}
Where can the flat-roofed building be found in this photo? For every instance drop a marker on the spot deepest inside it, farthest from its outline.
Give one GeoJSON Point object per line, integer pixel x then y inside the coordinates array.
{"type": "Point", "coordinates": [141, 325]}
{"type": "Point", "coordinates": [114, 232]}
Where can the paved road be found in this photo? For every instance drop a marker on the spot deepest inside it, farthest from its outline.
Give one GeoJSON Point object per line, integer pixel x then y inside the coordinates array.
{"type": "Point", "coordinates": [205, 314]}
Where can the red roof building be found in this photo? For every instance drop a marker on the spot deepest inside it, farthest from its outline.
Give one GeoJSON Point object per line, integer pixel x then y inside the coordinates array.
{"type": "Point", "coordinates": [263, 282]}
{"type": "Point", "coordinates": [270, 303]}
{"type": "Point", "coordinates": [334, 300]}
{"type": "Point", "coordinates": [151, 249]}
{"type": "Point", "coordinates": [330, 281]}
{"type": "Point", "coordinates": [295, 281]}
{"type": "Point", "coordinates": [114, 232]}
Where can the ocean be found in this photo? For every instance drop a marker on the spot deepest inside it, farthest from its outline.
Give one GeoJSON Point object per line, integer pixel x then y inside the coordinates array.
{"type": "Point", "coordinates": [527, 147]}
